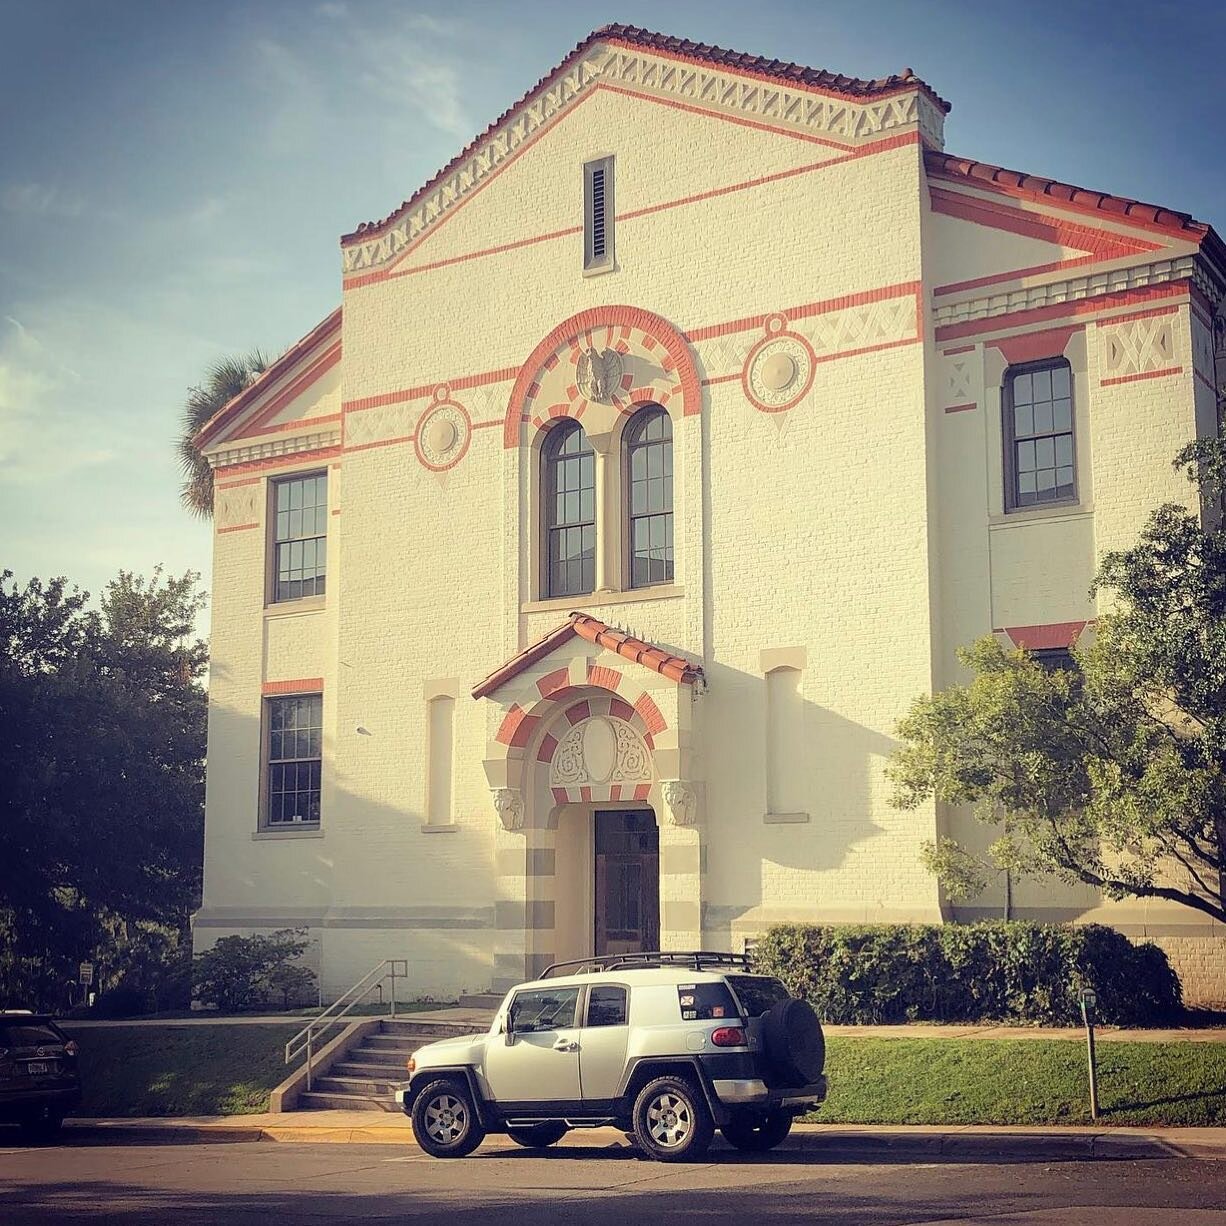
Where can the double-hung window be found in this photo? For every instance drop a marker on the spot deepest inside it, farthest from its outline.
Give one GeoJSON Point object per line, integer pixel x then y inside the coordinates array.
{"type": "Point", "coordinates": [294, 760]}
{"type": "Point", "coordinates": [649, 490]}
{"type": "Point", "coordinates": [570, 512]}
{"type": "Point", "coordinates": [1040, 464]}
{"type": "Point", "coordinates": [300, 536]}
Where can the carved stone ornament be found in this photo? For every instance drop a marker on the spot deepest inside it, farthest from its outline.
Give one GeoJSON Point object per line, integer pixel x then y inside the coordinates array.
{"type": "Point", "coordinates": [600, 750]}
{"type": "Point", "coordinates": [779, 369]}
{"type": "Point", "coordinates": [443, 433]}
{"type": "Point", "coordinates": [509, 805]}
{"type": "Point", "coordinates": [598, 374]}
{"type": "Point", "coordinates": [680, 801]}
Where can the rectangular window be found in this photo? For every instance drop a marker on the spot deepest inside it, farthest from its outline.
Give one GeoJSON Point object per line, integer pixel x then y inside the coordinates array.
{"type": "Point", "coordinates": [1038, 430]}
{"type": "Point", "coordinates": [295, 755]}
{"type": "Point", "coordinates": [606, 1007]}
{"type": "Point", "coordinates": [300, 536]}
{"type": "Point", "coordinates": [598, 214]}
{"type": "Point", "coordinates": [543, 1009]}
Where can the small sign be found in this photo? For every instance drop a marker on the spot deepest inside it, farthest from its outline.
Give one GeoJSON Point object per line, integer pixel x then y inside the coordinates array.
{"type": "Point", "coordinates": [86, 973]}
{"type": "Point", "coordinates": [1089, 998]}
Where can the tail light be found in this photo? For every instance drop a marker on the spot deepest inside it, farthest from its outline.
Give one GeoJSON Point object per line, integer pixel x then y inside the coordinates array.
{"type": "Point", "coordinates": [71, 1048]}
{"type": "Point", "coordinates": [728, 1036]}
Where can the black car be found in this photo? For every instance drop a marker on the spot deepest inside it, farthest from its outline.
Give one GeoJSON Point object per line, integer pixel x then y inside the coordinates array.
{"type": "Point", "coordinates": [39, 1079]}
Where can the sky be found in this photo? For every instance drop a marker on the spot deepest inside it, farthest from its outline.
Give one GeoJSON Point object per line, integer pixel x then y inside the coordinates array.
{"type": "Point", "coordinates": [175, 176]}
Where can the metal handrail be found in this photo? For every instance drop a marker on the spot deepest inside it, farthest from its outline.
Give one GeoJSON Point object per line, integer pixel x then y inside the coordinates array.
{"type": "Point", "coordinates": [305, 1039]}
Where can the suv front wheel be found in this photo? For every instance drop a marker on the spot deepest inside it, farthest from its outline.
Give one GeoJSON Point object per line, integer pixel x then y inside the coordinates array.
{"type": "Point", "coordinates": [671, 1120]}
{"type": "Point", "coordinates": [445, 1121]}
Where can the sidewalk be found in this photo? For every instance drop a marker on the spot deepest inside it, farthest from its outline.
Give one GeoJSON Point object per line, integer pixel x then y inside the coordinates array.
{"type": "Point", "coordinates": [862, 1142]}
{"type": "Point", "coordinates": [478, 1020]}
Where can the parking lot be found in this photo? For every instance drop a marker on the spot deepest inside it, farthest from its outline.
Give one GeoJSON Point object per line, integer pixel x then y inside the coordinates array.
{"type": "Point", "coordinates": [1018, 1183]}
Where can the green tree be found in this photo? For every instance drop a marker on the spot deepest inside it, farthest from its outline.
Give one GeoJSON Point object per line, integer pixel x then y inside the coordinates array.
{"type": "Point", "coordinates": [102, 735]}
{"type": "Point", "coordinates": [223, 380]}
{"type": "Point", "coordinates": [240, 972]}
{"type": "Point", "coordinates": [1113, 773]}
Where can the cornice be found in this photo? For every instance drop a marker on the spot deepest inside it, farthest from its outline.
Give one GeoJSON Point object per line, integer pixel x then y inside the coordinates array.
{"type": "Point", "coordinates": [798, 108]}
{"type": "Point", "coordinates": [244, 451]}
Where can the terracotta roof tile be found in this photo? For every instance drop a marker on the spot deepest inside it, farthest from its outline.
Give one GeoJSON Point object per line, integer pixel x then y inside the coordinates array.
{"type": "Point", "coordinates": [853, 88]}
{"type": "Point", "coordinates": [676, 668]}
{"type": "Point", "coordinates": [947, 166]}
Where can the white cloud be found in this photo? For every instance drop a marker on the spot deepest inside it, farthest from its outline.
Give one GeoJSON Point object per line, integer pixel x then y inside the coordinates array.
{"type": "Point", "coordinates": [41, 200]}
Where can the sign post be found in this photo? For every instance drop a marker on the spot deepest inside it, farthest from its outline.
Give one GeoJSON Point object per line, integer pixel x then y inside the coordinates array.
{"type": "Point", "coordinates": [86, 973]}
{"type": "Point", "coordinates": [1089, 998]}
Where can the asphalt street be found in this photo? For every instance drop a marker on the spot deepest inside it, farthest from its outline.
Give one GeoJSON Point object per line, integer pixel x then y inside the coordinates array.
{"type": "Point", "coordinates": [252, 1184]}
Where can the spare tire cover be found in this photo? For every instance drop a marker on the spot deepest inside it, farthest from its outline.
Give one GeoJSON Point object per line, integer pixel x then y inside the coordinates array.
{"type": "Point", "coordinates": [795, 1045]}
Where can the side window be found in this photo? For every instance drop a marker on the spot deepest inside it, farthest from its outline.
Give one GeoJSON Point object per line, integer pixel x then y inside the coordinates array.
{"type": "Point", "coordinates": [1040, 464]}
{"type": "Point", "coordinates": [300, 536]}
{"type": "Point", "coordinates": [569, 493]}
{"type": "Point", "coordinates": [294, 751]}
{"type": "Point", "coordinates": [649, 501]}
{"type": "Point", "coordinates": [700, 1002]}
{"type": "Point", "coordinates": [543, 1009]}
{"type": "Point", "coordinates": [606, 1007]}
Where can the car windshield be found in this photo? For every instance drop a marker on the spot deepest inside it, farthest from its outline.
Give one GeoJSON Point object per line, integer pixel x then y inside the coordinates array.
{"type": "Point", "coordinates": [26, 1034]}
{"type": "Point", "coordinates": [757, 993]}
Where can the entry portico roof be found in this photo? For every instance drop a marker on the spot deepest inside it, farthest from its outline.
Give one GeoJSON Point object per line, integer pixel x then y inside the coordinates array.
{"type": "Point", "coordinates": [676, 668]}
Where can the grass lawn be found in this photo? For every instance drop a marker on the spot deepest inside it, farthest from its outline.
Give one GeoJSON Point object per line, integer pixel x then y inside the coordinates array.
{"type": "Point", "coordinates": [180, 1070]}
{"type": "Point", "coordinates": [1022, 1081]}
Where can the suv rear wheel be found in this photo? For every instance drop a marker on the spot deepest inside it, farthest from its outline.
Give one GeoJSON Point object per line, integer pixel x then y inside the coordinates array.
{"type": "Point", "coordinates": [537, 1136]}
{"type": "Point", "coordinates": [757, 1133]}
{"type": "Point", "coordinates": [671, 1120]}
{"type": "Point", "coordinates": [445, 1121]}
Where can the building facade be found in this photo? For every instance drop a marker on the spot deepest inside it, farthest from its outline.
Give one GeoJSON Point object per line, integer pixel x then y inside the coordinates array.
{"type": "Point", "coordinates": [571, 577]}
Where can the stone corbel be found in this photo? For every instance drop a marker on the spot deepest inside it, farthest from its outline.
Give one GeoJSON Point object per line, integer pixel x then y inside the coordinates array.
{"type": "Point", "coordinates": [680, 801]}
{"type": "Point", "coordinates": [509, 805]}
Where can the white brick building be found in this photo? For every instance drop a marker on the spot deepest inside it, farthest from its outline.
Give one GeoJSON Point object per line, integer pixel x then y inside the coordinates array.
{"type": "Point", "coordinates": [571, 576]}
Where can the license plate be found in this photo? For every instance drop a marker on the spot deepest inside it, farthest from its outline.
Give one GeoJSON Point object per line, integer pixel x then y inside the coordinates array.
{"type": "Point", "coordinates": [36, 1067]}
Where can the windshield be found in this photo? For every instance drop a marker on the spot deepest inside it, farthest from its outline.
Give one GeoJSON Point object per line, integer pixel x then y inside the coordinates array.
{"type": "Point", "coordinates": [757, 993]}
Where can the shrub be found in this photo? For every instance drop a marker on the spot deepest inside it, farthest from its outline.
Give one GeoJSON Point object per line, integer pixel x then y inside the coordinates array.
{"type": "Point", "coordinates": [998, 971]}
{"type": "Point", "coordinates": [241, 972]}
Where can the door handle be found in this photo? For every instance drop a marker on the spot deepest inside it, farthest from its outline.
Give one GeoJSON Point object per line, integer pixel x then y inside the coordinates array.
{"type": "Point", "coordinates": [565, 1045]}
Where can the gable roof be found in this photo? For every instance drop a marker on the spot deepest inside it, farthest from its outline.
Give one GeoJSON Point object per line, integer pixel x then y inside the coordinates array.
{"type": "Point", "coordinates": [676, 668]}
{"type": "Point", "coordinates": [854, 89]}
{"type": "Point", "coordinates": [1077, 199]}
{"type": "Point", "coordinates": [282, 366]}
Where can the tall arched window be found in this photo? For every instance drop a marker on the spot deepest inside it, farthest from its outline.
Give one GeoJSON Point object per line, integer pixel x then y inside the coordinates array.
{"type": "Point", "coordinates": [569, 490]}
{"type": "Point", "coordinates": [649, 480]}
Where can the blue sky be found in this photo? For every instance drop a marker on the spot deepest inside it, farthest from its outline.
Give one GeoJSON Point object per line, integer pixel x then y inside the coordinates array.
{"type": "Point", "coordinates": [174, 177]}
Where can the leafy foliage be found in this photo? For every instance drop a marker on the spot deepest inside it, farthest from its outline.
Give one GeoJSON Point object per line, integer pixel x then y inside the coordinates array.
{"type": "Point", "coordinates": [102, 737]}
{"type": "Point", "coordinates": [241, 972]}
{"type": "Point", "coordinates": [1113, 775]}
{"type": "Point", "coordinates": [223, 380]}
{"type": "Point", "coordinates": [1009, 972]}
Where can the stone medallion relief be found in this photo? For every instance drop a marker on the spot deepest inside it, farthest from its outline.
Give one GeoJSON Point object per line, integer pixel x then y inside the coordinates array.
{"type": "Point", "coordinates": [600, 750]}
{"type": "Point", "coordinates": [443, 432]}
{"type": "Point", "coordinates": [779, 369]}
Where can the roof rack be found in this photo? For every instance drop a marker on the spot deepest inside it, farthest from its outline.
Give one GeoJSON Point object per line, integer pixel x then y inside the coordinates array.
{"type": "Point", "coordinates": [696, 959]}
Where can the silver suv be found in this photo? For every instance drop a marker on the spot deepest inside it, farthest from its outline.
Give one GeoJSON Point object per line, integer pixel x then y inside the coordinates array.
{"type": "Point", "coordinates": [666, 1046]}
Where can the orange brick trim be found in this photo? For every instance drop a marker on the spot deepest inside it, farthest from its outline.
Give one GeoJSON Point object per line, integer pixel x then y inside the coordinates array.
{"type": "Point", "coordinates": [303, 685]}
{"type": "Point", "coordinates": [290, 463]}
{"type": "Point", "coordinates": [654, 326]}
{"type": "Point", "coordinates": [1107, 320]}
{"type": "Point", "coordinates": [1063, 310]}
{"type": "Point", "coordinates": [463, 383]}
{"type": "Point", "coordinates": [1044, 638]}
{"type": "Point", "coordinates": [236, 528]}
{"type": "Point", "coordinates": [1145, 374]}
{"type": "Point", "coordinates": [960, 408]}
{"type": "Point", "coordinates": [258, 424]}
{"type": "Point", "coordinates": [1015, 274]}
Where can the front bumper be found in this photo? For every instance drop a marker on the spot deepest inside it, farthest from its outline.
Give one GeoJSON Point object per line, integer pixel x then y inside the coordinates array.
{"type": "Point", "coordinates": [754, 1092]}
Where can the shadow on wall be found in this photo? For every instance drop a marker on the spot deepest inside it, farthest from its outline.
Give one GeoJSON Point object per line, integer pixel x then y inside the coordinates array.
{"type": "Point", "coordinates": [366, 882]}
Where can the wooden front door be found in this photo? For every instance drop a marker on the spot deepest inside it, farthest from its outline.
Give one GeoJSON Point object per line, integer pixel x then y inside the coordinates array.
{"type": "Point", "coordinates": [627, 881]}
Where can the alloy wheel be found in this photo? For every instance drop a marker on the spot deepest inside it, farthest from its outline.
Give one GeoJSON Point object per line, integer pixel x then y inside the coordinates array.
{"type": "Point", "coordinates": [669, 1120]}
{"type": "Point", "coordinates": [446, 1119]}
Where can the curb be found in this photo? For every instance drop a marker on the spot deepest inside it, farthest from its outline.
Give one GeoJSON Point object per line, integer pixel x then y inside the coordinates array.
{"type": "Point", "coordinates": [830, 1142]}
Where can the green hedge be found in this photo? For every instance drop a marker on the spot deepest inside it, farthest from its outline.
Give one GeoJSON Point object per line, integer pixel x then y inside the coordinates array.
{"type": "Point", "coordinates": [1002, 971]}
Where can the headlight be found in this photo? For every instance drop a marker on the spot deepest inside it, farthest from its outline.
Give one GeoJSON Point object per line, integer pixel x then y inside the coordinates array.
{"type": "Point", "coordinates": [411, 1065]}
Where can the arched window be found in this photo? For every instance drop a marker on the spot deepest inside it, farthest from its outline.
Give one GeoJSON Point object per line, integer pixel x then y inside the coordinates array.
{"type": "Point", "coordinates": [569, 492]}
{"type": "Point", "coordinates": [649, 496]}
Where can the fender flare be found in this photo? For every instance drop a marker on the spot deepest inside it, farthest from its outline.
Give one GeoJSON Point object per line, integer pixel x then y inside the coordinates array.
{"type": "Point", "coordinates": [645, 1068]}
{"type": "Point", "coordinates": [422, 1078]}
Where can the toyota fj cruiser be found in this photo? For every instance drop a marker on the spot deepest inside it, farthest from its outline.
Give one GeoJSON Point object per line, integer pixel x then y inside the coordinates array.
{"type": "Point", "coordinates": [666, 1046]}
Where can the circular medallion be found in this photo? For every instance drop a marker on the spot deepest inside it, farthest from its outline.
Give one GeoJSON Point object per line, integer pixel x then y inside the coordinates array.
{"type": "Point", "coordinates": [443, 434]}
{"type": "Point", "coordinates": [779, 370]}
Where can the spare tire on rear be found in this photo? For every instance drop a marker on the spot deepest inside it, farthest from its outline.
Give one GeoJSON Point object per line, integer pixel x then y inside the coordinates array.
{"type": "Point", "coordinates": [795, 1045]}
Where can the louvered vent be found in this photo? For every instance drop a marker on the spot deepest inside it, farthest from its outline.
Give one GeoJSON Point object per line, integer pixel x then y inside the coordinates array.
{"type": "Point", "coordinates": [598, 214]}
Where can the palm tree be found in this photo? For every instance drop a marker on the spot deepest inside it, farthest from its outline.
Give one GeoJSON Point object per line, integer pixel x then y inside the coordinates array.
{"type": "Point", "coordinates": [223, 380]}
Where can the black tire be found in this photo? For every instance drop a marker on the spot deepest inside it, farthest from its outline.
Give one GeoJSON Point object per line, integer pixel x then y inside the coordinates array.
{"type": "Point", "coordinates": [795, 1045]}
{"type": "Point", "coordinates": [42, 1128]}
{"type": "Point", "coordinates": [538, 1136]}
{"type": "Point", "coordinates": [671, 1120]}
{"type": "Point", "coordinates": [757, 1134]}
{"type": "Point", "coordinates": [445, 1121]}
